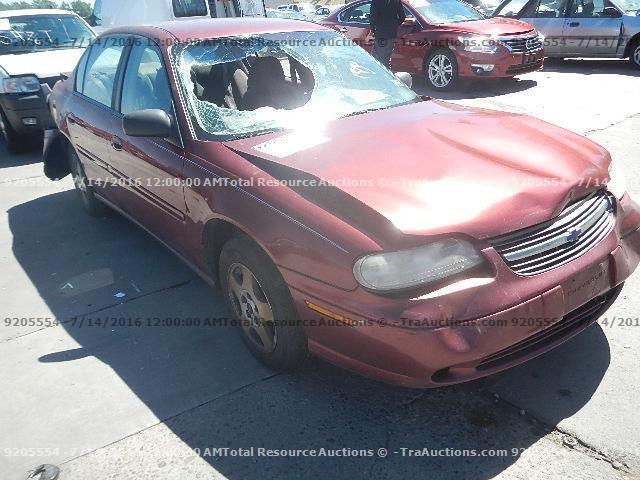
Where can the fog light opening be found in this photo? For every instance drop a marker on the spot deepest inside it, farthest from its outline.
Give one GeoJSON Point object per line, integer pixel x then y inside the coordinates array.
{"type": "Point", "coordinates": [482, 68]}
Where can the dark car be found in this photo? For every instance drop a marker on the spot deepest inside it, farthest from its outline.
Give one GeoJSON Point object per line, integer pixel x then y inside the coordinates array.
{"type": "Point", "coordinates": [445, 40]}
{"type": "Point", "coordinates": [36, 48]}
{"type": "Point", "coordinates": [340, 213]}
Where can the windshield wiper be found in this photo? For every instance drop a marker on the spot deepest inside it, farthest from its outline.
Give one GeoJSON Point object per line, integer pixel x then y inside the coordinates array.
{"type": "Point", "coordinates": [375, 109]}
{"type": "Point", "coordinates": [368, 110]}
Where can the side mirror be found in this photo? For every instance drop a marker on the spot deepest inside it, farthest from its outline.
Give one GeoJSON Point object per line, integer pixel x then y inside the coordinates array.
{"type": "Point", "coordinates": [148, 123]}
{"type": "Point", "coordinates": [405, 78]}
{"type": "Point", "coordinates": [409, 22]}
{"type": "Point", "coordinates": [611, 12]}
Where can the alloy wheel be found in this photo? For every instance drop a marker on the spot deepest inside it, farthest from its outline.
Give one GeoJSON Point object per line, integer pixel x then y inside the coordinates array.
{"type": "Point", "coordinates": [636, 55]}
{"type": "Point", "coordinates": [440, 71]}
{"type": "Point", "coordinates": [252, 308]}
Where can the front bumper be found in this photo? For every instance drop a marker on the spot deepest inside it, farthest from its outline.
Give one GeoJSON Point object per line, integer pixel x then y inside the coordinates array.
{"type": "Point", "coordinates": [18, 107]}
{"type": "Point", "coordinates": [505, 64]}
{"type": "Point", "coordinates": [457, 336]}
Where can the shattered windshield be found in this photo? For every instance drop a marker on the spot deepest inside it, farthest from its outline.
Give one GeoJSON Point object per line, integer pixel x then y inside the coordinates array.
{"type": "Point", "coordinates": [238, 87]}
{"type": "Point", "coordinates": [35, 33]}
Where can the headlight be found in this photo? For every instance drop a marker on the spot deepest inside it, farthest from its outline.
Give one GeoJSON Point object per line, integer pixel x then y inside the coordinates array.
{"type": "Point", "coordinates": [21, 85]}
{"type": "Point", "coordinates": [407, 269]}
{"type": "Point", "coordinates": [479, 44]}
{"type": "Point", "coordinates": [618, 180]}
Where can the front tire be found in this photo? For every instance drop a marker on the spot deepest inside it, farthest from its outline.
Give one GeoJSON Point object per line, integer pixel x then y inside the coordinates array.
{"type": "Point", "coordinates": [262, 304]}
{"type": "Point", "coordinates": [16, 143]}
{"type": "Point", "coordinates": [634, 54]}
{"type": "Point", "coordinates": [441, 69]}
{"type": "Point", "coordinates": [90, 203]}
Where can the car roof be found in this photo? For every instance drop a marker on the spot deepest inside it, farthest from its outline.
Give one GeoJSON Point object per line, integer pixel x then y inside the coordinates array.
{"type": "Point", "coordinates": [190, 30]}
{"type": "Point", "coordinates": [34, 11]}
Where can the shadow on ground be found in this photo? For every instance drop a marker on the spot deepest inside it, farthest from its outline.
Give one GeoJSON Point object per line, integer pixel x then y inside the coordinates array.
{"type": "Point", "coordinates": [486, 88]}
{"type": "Point", "coordinates": [33, 154]}
{"type": "Point", "coordinates": [591, 67]}
{"type": "Point", "coordinates": [172, 370]}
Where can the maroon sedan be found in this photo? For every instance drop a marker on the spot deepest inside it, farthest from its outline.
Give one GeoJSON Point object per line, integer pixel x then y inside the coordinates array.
{"type": "Point", "coordinates": [445, 40]}
{"type": "Point", "coordinates": [409, 240]}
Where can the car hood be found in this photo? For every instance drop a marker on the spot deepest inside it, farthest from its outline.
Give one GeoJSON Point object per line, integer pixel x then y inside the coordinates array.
{"type": "Point", "coordinates": [491, 26]}
{"type": "Point", "coordinates": [46, 64]}
{"type": "Point", "coordinates": [433, 168]}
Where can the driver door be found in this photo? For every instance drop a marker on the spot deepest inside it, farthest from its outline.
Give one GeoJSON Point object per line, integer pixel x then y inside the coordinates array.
{"type": "Point", "coordinates": [589, 31]}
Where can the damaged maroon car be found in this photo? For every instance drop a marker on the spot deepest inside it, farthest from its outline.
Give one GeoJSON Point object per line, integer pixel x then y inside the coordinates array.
{"type": "Point", "coordinates": [413, 241]}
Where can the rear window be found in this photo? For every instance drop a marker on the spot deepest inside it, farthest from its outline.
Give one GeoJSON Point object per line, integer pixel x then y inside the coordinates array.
{"type": "Point", "coordinates": [190, 8]}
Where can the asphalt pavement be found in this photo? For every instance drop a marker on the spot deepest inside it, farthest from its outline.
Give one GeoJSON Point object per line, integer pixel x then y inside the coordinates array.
{"type": "Point", "coordinates": [153, 402]}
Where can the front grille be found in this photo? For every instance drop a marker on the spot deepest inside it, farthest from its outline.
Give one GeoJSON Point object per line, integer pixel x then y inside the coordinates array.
{"type": "Point", "coordinates": [554, 243]}
{"type": "Point", "coordinates": [569, 324]}
{"type": "Point", "coordinates": [529, 43]}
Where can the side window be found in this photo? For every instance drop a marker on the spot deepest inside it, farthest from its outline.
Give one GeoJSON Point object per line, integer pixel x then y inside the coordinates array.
{"type": "Point", "coordinates": [146, 85]}
{"type": "Point", "coordinates": [587, 9]}
{"type": "Point", "coordinates": [512, 9]}
{"type": "Point", "coordinates": [190, 8]}
{"type": "Point", "coordinates": [357, 14]}
{"type": "Point", "coordinates": [551, 9]}
{"type": "Point", "coordinates": [80, 70]}
{"type": "Point", "coordinates": [407, 13]}
{"type": "Point", "coordinates": [102, 66]}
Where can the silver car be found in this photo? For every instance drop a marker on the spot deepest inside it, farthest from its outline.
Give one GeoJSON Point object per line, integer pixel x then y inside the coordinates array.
{"type": "Point", "coordinates": [582, 28]}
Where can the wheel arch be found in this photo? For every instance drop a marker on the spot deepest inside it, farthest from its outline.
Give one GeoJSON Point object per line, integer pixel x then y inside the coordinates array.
{"type": "Point", "coordinates": [215, 234]}
{"type": "Point", "coordinates": [632, 41]}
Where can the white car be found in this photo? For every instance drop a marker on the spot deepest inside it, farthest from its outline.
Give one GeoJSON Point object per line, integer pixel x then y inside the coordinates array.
{"type": "Point", "coordinates": [37, 47]}
{"type": "Point", "coordinates": [116, 13]}
{"type": "Point", "coordinates": [305, 9]}
{"type": "Point", "coordinates": [290, 14]}
{"type": "Point", "coordinates": [323, 11]}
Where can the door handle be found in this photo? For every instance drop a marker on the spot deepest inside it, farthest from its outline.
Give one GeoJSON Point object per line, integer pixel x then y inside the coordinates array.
{"type": "Point", "coordinates": [116, 143]}
{"type": "Point", "coordinates": [343, 30]}
{"type": "Point", "coordinates": [574, 24]}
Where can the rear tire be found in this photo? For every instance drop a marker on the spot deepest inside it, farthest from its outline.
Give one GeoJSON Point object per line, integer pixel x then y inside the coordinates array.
{"type": "Point", "coordinates": [90, 203]}
{"type": "Point", "coordinates": [634, 54]}
{"type": "Point", "coordinates": [441, 69]}
{"type": "Point", "coordinates": [261, 302]}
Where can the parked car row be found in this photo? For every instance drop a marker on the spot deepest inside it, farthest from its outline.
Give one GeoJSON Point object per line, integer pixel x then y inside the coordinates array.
{"type": "Point", "coordinates": [255, 150]}
{"type": "Point", "coordinates": [448, 40]}
{"type": "Point", "coordinates": [443, 41]}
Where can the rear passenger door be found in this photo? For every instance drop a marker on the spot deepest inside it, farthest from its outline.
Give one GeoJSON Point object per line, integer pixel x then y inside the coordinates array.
{"type": "Point", "coordinates": [353, 23]}
{"type": "Point", "coordinates": [150, 168]}
{"type": "Point", "coordinates": [93, 120]}
{"type": "Point", "coordinates": [591, 32]}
